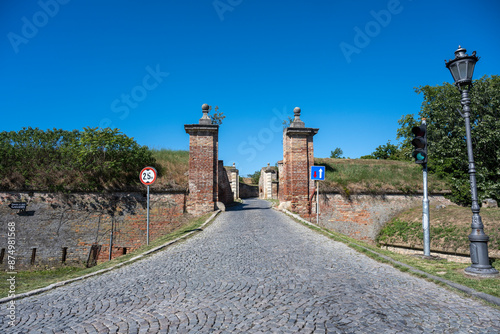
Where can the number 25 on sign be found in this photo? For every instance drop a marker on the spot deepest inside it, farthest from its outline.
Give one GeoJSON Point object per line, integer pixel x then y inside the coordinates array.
{"type": "Point", "coordinates": [148, 176]}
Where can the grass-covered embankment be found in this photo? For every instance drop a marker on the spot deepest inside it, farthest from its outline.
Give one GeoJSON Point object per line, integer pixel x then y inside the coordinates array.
{"type": "Point", "coordinates": [449, 229]}
{"type": "Point", "coordinates": [370, 176]}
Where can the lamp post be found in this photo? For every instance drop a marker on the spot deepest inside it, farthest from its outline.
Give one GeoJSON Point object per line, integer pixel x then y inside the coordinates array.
{"type": "Point", "coordinates": [462, 68]}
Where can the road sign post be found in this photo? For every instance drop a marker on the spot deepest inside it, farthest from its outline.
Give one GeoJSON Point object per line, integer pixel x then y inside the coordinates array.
{"type": "Point", "coordinates": [317, 174]}
{"type": "Point", "coordinates": [148, 177]}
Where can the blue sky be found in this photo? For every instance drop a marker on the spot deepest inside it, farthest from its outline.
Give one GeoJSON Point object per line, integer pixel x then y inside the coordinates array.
{"type": "Point", "coordinates": [146, 67]}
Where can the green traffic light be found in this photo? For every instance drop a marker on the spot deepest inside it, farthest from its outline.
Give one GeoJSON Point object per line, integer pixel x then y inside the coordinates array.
{"type": "Point", "coordinates": [420, 157]}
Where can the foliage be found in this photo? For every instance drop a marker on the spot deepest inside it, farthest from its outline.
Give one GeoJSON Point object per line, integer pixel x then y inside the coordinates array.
{"type": "Point", "coordinates": [385, 152]}
{"type": "Point", "coordinates": [255, 177]}
{"type": "Point", "coordinates": [447, 136]}
{"type": "Point", "coordinates": [217, 116]}
{"type": "Point", "coordinates": [58, 160]}
{"type": "Point", "coordinates": [336, 153]}
{"type": "Point", "coordinates": [287, 122]}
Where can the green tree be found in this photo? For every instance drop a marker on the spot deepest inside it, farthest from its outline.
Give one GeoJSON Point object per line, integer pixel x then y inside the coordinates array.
{"type": "Point", "coordinates": [59, 160]}
{"type": "Point", "coordinates": [447, 139]}
{"type": "Point", "coordinates": [336, 153]}
{"type": "Point", "coordinates": [386, 152]}
{"type": "Point", "coordinates": [217, 116]}
{"type": "Point", "coordinates": [287, 122]}
{"type": "Point", "coordinates": [255, 177]}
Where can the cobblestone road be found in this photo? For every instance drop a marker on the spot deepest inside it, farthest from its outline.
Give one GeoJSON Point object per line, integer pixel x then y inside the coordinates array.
{"type": "Point", "coordinates": [253, 270]}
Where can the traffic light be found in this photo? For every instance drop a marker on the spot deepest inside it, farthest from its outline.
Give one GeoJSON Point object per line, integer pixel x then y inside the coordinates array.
{"type": "Point", "coordinates": [420, 143]}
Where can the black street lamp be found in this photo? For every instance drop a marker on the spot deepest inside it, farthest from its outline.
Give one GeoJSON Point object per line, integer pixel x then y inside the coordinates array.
{"type": "Point", "coordinates": [462, 68]}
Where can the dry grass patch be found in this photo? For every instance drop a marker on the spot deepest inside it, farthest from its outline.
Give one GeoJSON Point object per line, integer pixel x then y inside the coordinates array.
{"type": "Point", "coordinates": [175, 166]}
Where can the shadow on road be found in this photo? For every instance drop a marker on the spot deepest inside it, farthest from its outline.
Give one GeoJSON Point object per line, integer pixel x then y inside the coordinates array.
{"type": "Point", "coordinates": [249, 204]}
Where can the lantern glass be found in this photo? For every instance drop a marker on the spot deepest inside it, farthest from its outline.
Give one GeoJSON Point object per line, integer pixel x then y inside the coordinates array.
{"type": "Point", "coordinates": [454, 72]}
{"type": "Point", "coordinates": [470, 69]}
{"type": "Point", "coordinates": [462, 69]}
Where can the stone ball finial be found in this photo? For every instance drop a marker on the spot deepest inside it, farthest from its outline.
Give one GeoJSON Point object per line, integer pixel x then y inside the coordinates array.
{"type": "Point", "coordinates": [205, 119]}
{"type": "Point", "coordinates": [297, 123]}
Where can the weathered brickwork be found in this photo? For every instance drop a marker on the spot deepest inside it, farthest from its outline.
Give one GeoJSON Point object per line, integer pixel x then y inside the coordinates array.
{"type": "Point", "coordinates": [298, 157]}
{"type": "Point", "coordinates": [203, 165]}
{"type": "Point", "coordinates": [226, 195]}
{"type": "Point", "coordinates": [248, 191]}
{"type": "Point", "coordinates": [70, 224]}
{"type": "Point", "coordinates": [363, 216]}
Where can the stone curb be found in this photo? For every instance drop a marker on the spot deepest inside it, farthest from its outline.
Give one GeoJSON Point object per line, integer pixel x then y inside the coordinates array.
{"type": "Point", "coordinates": [489, 298]}
{"type": "Point", "coordinates": [58, 284]}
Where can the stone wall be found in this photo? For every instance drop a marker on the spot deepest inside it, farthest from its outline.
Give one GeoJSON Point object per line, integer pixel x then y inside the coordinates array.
{"type": "Point", "coordinates": [268, 183]}
{"type": "Point", "coordinates": [363, 216]}
{"type": "Point", "coordinates": [248, 191]}
{"type": "Point", "coordinates": [57, 224]}
{"type": "Point", "coordinates": [234, 179]}
{"type": "Point", "coordinates": [226, 195]}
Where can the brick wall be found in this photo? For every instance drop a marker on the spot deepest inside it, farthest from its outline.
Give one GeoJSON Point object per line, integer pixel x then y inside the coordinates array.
{"type": "Point", "coordinates": [363, 216]}
{"type": "Point", "coordinates": [248, 191]}
{"type": "Point", "coordinates": [226, 195]}
{"type": "Point", "coordinates": [203, 167]}
{"type": "Point", "coordinates": [298, 157]}
{"type": "Point", "coordinates": [53, 222]}
{"type": "Point", "coordinates": [203, 164]}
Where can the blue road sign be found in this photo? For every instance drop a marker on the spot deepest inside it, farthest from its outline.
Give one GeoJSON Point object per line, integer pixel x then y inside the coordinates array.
{"type": "Point", "coordinates": [318, 173]}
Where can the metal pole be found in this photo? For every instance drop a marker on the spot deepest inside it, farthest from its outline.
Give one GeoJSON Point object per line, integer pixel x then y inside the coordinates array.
{"type": "Point", "coordinates": [317, 202]}
{"type": "Point", "coordinates": [147, 224]}
{"type": "Point", "coordinates": [478, 240]}
{"type": "Point", "coordinates": [111, 239]}
{"type": "Point", "coordinates": [425, 216]}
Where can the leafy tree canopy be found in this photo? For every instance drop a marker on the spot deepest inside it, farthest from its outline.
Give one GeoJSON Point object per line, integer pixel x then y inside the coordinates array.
{"type": "Point", "coordinates": [336, 153]}
{"type": "Point", "coordinates": [217, 117]}
{"type": "Point", "coordinates": [60, 160]}
{"type": "Point", "coordinates": [447, 138]}
{"type": "Point", "coordinates": [255, 177]}
{"type": "Point", "coordinates": [386, 152]}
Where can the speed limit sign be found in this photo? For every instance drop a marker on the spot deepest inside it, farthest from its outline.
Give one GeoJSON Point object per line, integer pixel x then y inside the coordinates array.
{"type": "Point", "coordinates": [148, 176]}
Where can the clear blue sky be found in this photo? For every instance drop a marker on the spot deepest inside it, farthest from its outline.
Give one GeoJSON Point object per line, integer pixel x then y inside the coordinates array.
{"type": "Point", "coordinates": [146, 67]}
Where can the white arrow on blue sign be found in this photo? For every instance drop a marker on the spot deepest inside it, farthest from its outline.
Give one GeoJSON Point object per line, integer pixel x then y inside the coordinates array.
{"type": "Point", "coordinates": [318, 173]}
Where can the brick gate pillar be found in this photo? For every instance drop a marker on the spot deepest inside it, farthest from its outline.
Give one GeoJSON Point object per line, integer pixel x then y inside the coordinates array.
{"type": "Point", "coordinates": [203, 163]}
{"type": "Point", "coordinates": [298, 157]}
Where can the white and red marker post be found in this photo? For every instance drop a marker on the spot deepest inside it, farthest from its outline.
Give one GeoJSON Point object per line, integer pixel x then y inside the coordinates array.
{"type": "Point", "coordinates": [148, 177]}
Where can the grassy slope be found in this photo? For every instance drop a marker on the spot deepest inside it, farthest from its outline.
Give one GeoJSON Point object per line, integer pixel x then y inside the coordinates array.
{"type": "Point", "coordinates": [354, 176]}
{"type": "Point", "coordinates": [175, 166]}
{"type": "Point", "coordinates": [449, 228]}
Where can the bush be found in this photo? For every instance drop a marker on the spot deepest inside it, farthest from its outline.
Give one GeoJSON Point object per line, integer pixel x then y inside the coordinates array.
{"type": "Point", "coordinates": [59, 160]}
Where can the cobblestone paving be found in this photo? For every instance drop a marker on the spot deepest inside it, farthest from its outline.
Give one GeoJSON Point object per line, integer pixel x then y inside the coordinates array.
{"type": "Point", "coordinates": [253, 270]}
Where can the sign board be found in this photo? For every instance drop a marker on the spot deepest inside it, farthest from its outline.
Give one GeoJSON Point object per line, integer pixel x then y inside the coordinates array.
{"type": "Point", "coordinates": [318, 173]}
{"type": "Point", "coordinates": [148, 176]}
{"type": "Point", "coordinates": [18, 205]}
